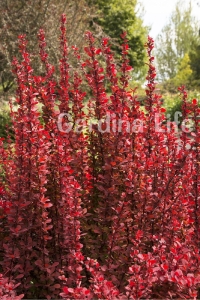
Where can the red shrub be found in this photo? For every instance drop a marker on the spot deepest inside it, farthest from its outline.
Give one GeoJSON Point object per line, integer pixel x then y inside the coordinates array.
{"type": "Point", "coordinates": [108, 210]}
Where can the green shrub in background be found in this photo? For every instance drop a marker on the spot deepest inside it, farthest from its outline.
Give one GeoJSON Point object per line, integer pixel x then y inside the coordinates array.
{"type": "Point", "coordinates": [5, 121]}
{"type": "Point", "coordinates": [172, 102]}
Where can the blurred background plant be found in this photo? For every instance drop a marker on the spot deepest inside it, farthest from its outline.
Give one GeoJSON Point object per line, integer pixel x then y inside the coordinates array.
{"type": "Point", "coordinates": [178, 50]}
{"type": "Point", "coordinates": [5, 120]}
{"type": "Point", "coordinates": [27, 17]}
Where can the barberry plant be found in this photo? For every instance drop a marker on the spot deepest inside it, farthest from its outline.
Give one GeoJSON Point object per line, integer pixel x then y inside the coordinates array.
{"type": "Point", "coordinates": [99, 198]}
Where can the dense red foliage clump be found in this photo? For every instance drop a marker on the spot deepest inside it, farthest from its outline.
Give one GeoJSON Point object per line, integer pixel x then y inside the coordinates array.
{"type": "Point", "coordinates": [97, 213]}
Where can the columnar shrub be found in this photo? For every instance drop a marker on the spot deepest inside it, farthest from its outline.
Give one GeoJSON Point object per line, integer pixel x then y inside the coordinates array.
{"type": "Point", "coordinates": [99, 199]}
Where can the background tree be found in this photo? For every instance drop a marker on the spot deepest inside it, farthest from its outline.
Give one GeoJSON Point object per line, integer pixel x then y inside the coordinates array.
{"type": "Point", "coordinates": [194, 55]}
{"type": "Point", "coordinates": [116, 16]}
{"type": "Point", "coordinates": [27, 17]}
{"type": "Point", "coordinates": [175, 40]}
{"type": "Point", "coordinates": [183, 75]}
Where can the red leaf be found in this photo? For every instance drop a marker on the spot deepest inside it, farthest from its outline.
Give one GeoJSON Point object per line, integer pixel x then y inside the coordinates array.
{"type": "Point", "coordinates": [47, 205]}
{"type": "Point", "coordinates": [195, 101]}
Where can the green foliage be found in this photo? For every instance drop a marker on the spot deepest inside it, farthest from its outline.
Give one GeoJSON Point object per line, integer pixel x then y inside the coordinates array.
{"type": "Point", "coordinates": [194, 55]}
{"type": "Point", "coordinates": [5, 123]}
{"type": "Point", "coordinates": [172, 104]}
{"type": "Point", "coordinates": [115, 17]}
{"type": "Point", "coordinates": [182, 77]}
